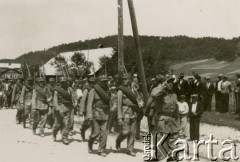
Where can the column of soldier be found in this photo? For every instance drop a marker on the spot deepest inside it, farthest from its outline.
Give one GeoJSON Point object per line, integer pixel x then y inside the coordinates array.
{"type": "Point", "coordinates": [100, 102]}
{"type": "Point", "coordinates": [96, 101]}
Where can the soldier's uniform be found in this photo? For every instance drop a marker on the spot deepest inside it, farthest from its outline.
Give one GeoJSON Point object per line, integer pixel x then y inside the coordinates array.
{"type": "Point", "coordinates": [1, 93]}
{"type": "Point", "coordinates": [63, 106]}
{"type": "Point", "coordinates": [98, 112]}
{"type": "Point", "coordinates": [40, 97]}
{"type": "Point", "coordinates": [167, 119]}
{"type": "Point", "coordinates": [83, 108]}
{"type": "Point", "coordinates": [17, 88]}
{"type": "Point", "coordinates": [50, 116]}
{"type": "Point", "coordinates": [127, 113]}
{"type": "Point", "coordinates": [26, 100]}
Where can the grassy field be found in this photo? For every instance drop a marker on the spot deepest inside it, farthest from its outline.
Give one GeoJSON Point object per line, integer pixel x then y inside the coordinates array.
{"type": "Point", "coordinates": [219, 119]}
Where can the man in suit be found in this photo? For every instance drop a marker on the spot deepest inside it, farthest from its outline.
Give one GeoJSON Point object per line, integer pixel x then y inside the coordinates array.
{"type": "Point", "coordinates": [195, 112]}
{"type": "Point", "coordinates": [181, 86]}
{"type": "Point", "coordinates": [218, 94]}
{"type": "Point", "coordinates": [198, 86]}
{"type": "Point", "coordinates": [208, 90]}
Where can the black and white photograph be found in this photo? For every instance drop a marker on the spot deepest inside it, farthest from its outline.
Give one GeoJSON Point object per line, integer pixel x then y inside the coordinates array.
{"type": "Point", "coordinates": [119, 80]}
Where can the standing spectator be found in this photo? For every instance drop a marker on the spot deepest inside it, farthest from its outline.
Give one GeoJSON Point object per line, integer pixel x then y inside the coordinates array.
{"type": "Point", "coordinates": [237, 93]}
{"type": "Point", "coordinates": [190, 89]}
{"type": "Point", "coordinates": [198, 86]}
{"type": "Point", "coordinates": [183, 112]}
{"type": "Point", "coordinates": [218, 94]}
{"type": "Point", "coordinates": [181, 86]}
{"type": "Point", "coordinates": [226, 90]}
{"type": "Point", "coordinates": [195, 117]}
{"type": "Point", "coordinates": [208, 90]}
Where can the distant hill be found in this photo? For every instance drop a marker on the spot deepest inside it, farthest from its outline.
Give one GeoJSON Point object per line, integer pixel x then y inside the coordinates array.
{"type": "Point", "coordinates": [158, 52]}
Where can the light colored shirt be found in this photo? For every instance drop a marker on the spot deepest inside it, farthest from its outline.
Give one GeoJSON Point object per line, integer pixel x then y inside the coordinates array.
{"type": "Point", "coordinates": [183, 107]}
{"type": "Point", "coordinates": [79, 93]}
{"type": "Point", "coordinates": [219, 86]}
{"type": "Point", "coordinates": [194, 107]}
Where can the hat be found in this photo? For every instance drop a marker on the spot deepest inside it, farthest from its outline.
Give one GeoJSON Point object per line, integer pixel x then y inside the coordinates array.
{"type": "Point", "coordinates": [182, 97]}
{"type": "Point", "coordinates": [125, 76]}
{"type": "Point", "coordinates": [30, 78]}
{"type": "Point", "coordinates": [102, 78]}
{"type": "Point", "coordinates": [20, 77]}
{"type": "Point", "coordinates": [153, 79]}
{"type": "Point", "coordinates": [63, 79]}
{"type": "Point", "coordinates": [224, 76]}
{"type": "Point", "coordinates": [159, 77]}
{"type": "Point", "coordinates": [220, 75]}
{"type": "Point", "coordinates": [40, 79]}
{"type": "Point", "coordinates": [135, 75]}
{"type": "Point", "coordinates": [194, 96]}
{"type": "Point", "coordinates": [181, 74]}
{"type": "Point", "coordinates": [113, 87]}
{"type": "Point", "coordinates": [92, 79]}
{"type": "Point", "coordinates": [51, 79]}
{"type": "Point", "coordinates": [208, 77]}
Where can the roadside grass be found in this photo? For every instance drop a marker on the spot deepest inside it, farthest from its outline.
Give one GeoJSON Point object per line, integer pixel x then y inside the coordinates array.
{"type": "Point", "coordinates": [218, 119]}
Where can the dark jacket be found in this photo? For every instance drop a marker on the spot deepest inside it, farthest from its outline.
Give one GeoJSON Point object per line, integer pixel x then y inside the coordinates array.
{"type": "Point", "coordinates": [199, 110]}
{"type": "Point", "coordinates": [208, 91]}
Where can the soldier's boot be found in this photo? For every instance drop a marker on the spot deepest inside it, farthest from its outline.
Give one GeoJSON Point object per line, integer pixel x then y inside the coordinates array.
{"type": "Point", "coordinates": [90, 145]}
{"type": "Point", "coordinates": [34, 131]}
{"type": "Point", "coordinates": [82, 133]}
{"type": "Point", "coordinates": [131, 153]}
{"type": "Point", "coordinates": [103, 154]}
{"type": "Point", "coordinates": [65, 141]}
{"type": "Point", "coordinates": [24, 123]}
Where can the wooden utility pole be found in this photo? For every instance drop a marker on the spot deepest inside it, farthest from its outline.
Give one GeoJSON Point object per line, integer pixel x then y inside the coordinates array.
{"type": "Point", "coordinates": [121, 67]}
{"type": "Point", "coordinates": [137, 43]}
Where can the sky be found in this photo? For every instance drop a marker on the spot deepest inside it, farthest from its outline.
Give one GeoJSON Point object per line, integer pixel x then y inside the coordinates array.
{"type": "Point", "coordinates": [31, 25]}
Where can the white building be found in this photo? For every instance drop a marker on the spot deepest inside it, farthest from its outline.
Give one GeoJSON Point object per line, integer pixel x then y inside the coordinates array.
{"type": "Point", "coordinates": [92, 55]}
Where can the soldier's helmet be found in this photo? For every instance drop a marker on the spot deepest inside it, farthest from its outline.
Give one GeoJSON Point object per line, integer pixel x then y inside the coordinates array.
{"type": "Point", "coordinates": [102, 78]}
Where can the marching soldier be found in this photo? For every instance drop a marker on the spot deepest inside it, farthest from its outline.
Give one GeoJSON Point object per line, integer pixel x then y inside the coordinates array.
{"type": "Point", "coordinates": [40, 98]}
{"type": "Point", "coordinates": [127, 106]}
{"type": "Point", "coordinates": [1, 93]}
{"type": "Point", "coordinates": [83, 107]}
{"type": "Point", "coordinates": [17, 88]}
{"type": "Point", "coordinates": [63, 107]}
{"type": "Point", "coordinates": [26, 100]}
{"type": "Point", "coordinates": [98, 111]}
{"type": "Point", "coordinates": [50, 118]}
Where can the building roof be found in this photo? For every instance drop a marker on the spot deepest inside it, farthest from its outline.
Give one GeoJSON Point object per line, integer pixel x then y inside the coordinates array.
{"type": "Point", "coordinates": [10, 65]}
{"type": "Point", "coordinates": [92, 55]}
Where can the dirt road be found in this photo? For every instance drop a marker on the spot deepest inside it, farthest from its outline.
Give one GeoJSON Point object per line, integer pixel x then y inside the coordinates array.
{"type": "Point", "coordinates": [20, 145]}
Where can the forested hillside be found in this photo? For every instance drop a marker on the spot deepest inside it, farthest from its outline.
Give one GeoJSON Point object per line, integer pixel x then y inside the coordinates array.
{"type": "Point", "coordinates": [158, 52]}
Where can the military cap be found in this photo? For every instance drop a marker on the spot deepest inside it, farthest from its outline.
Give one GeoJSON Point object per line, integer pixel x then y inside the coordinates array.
{"type": "Point", "coordinates": [92, 79]}
{"type": "Point", "coordinates": [169, 78]}
{"type": "Point", "coordinates": [63, 79]}
{"type": "Point", "coordinates": [126, 76]}
{"type": "Point", "coordinates": [102, 78]}
{"type": "Point", "coordinates": [40, 79]}
{"type": "Point", "coordinates": [51, 79]}
{"type": "Point", "coordinates": [30, 78]}
{"type": "Point", "coordinates": [20, 77]}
